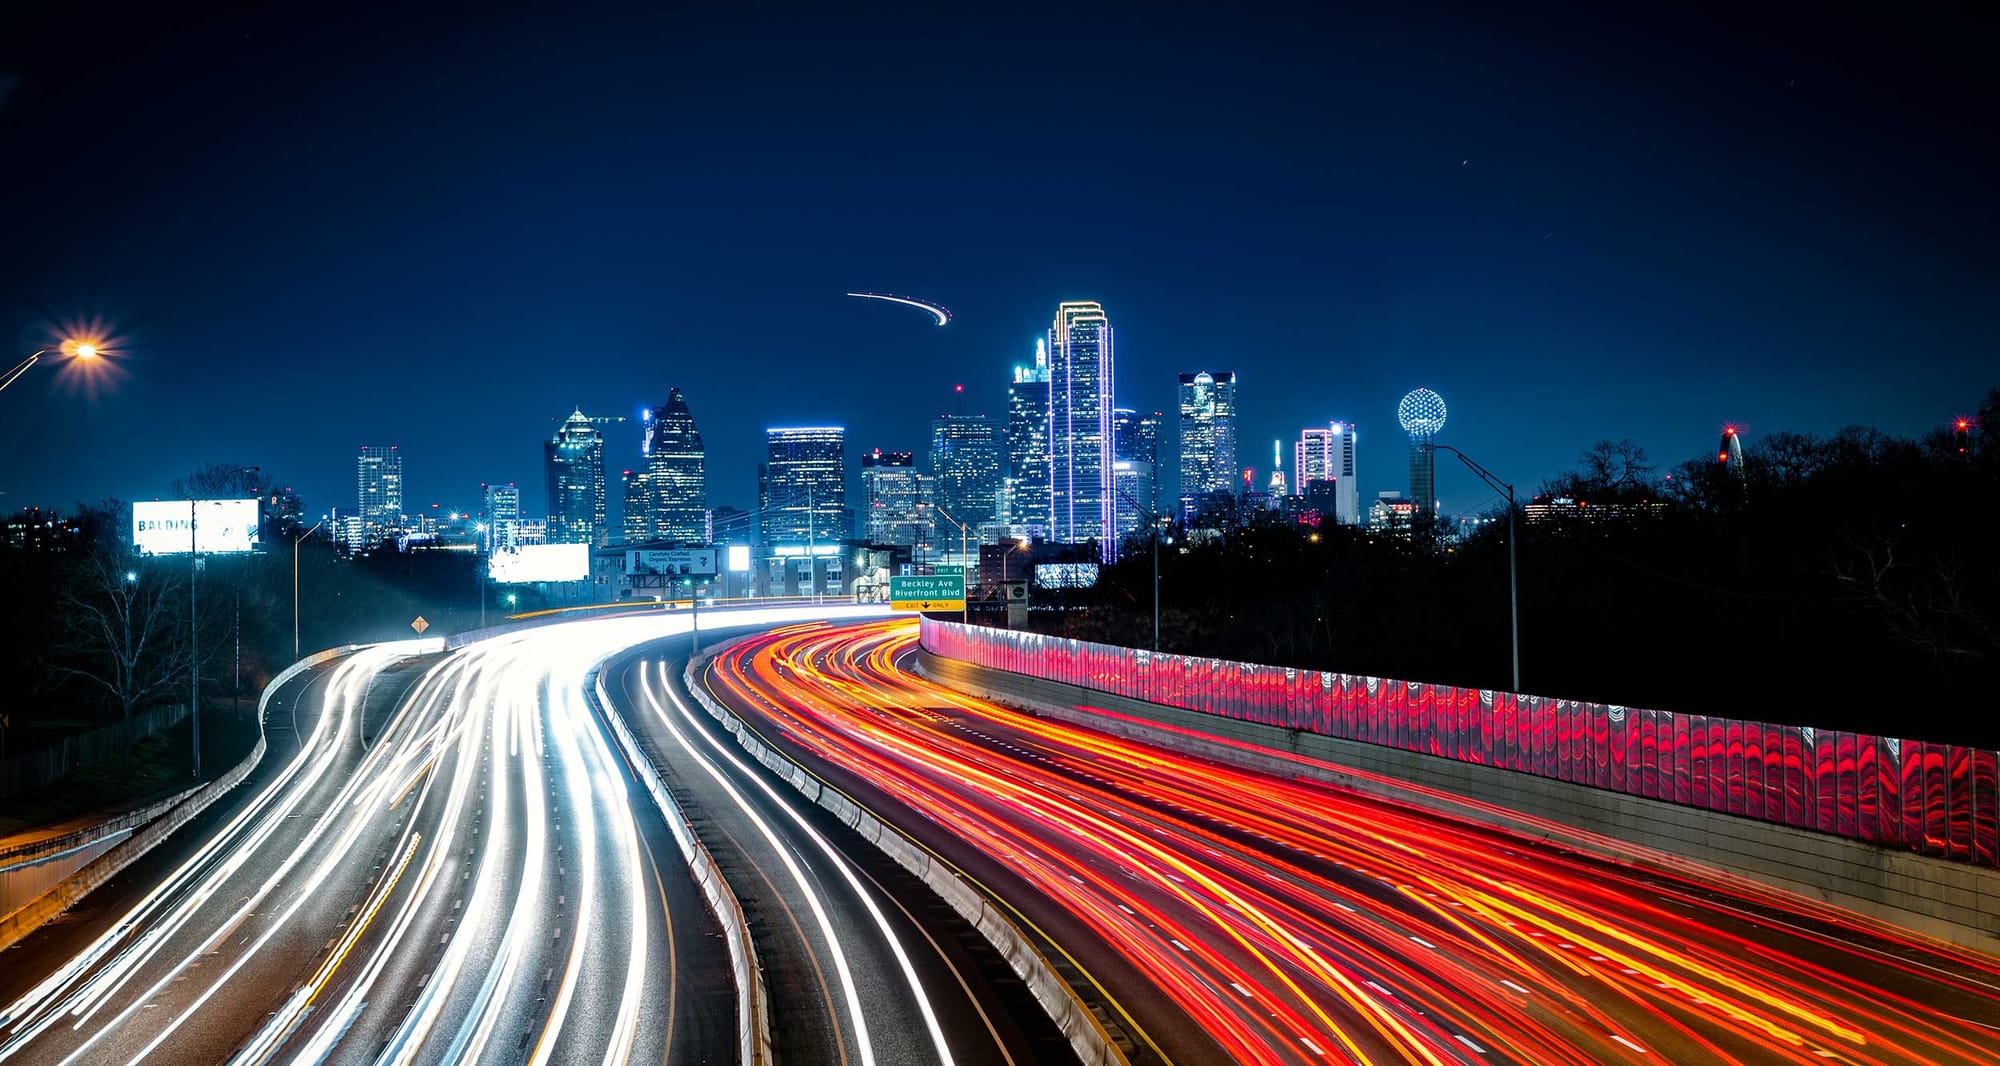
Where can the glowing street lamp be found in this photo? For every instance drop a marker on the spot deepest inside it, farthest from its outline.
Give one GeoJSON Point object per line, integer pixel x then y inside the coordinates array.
{"type": "Point", "coordinates": [80, 350]}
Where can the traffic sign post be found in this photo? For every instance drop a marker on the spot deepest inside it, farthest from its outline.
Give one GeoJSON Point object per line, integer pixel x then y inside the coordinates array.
{"type": "Point", "coordinates": [932, 592]}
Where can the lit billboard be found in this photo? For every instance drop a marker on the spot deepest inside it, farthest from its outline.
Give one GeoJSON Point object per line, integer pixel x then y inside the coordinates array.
{"type": "Point", "coordinates": [540, 562]}
{"type": "Point", "coordinates": [207, 527]}
{"type": "Point", "coordinates": [739, 558]}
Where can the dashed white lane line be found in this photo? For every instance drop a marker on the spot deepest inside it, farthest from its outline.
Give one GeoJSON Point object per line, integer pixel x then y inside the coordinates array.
{"type": "Point", "coordinates": [1628, 1043]}
{"type": "Point", "coordinates": [1515, 987]}
{"type": "Point", "coordinates": [1467, 1041]}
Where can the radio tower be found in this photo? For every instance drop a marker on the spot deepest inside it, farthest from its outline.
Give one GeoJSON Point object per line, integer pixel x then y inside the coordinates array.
{"type": "Point", "coordinates": [1421, 414]}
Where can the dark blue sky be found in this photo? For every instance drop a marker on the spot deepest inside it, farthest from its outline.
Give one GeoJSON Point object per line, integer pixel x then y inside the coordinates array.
{"type": "Point", "coordinates": [444, 231]}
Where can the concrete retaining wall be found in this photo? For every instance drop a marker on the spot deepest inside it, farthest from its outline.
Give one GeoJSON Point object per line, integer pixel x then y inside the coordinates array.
{"type": "Point", "coordinates": [1086, 1035]}
{"type": "Point", "coordinates": [1949, 901]}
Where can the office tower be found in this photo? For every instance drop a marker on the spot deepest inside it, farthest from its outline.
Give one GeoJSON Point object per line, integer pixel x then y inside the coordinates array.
{"type": "Point", "coordinates": [502, 516]}
{"type": "Point", "coordinates": [379, 474]}
{"type": "Point", "coordinates": [1730, 453]}
{"type": "Point", "coordinates": [575, 462]}
{"type": "Point", "coordinates": [893, 496]}
{"type": "Point", "coordinates": [1277, 487]}
{"type": "Point", "coordinates": [670, 488]}
{"type": "Point", "coordinates": [1135, 470]}
{"type": "Point", "coordinates": [637, 522]}
{"type": "Point", "coordinates": [1328, 455]}
{"type": "Point", "coordinates": [966, 460]}
{"type": "Point", "coordinates": [1421, 413]}
{"type": "Point", "coordinates": [1026, 489]}
{"type": "Point", "coordinates": [1208, 434]}
{"type": "Point", "coordinates": [803, 487]}
{"type": "Point", "coordinates": [1081, 385]}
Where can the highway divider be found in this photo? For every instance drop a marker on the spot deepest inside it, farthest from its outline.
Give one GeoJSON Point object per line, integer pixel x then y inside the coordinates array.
{"type": "Point", "coordinates": [40, 910]}
{"type": "Point", "coordinates": [753, 1014]}
{"type": "Point", "coordinates": [1072, 1017]}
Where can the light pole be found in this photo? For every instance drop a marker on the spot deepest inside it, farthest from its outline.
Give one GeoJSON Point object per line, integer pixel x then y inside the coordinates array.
{"type": "Point", "coordinates": [1152, 524]}
{"type": "Point", "coordinates": [1513, 583]}
{"type": "Point", "coordinates": [75, 349]}
{"type": "Point", "coordinates": [194, 641]}
{"type": "Point", "coordinates": [965, 604]}
{"type": "Point", "coordinates": [296, 541]}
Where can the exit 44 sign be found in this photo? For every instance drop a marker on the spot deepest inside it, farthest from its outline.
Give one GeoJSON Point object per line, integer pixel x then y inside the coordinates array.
{"type": "Point", "coordinates": [937, 592]}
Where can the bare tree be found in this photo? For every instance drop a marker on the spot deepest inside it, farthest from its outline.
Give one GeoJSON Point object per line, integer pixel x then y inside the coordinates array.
{"type": "Point", "coordinates": [1925, 604]}
{"type": "Point", "coordinates": [121, 629]}
{"type": "Point", "coordinates": [221, 481]}
{"type": "Point", "coordinates": [1608, 470]}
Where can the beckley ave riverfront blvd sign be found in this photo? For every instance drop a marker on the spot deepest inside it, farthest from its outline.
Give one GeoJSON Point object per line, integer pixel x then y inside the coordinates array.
{"type": "Point", "coordinates": [940, 592]}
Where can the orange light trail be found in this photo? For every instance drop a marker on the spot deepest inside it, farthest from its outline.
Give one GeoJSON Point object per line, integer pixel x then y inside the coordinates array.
{"type": "Point", "coordinates": [1298, 922]}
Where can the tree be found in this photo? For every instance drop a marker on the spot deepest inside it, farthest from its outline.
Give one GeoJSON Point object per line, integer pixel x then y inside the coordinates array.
{"type": "Point", "coordinates": [120, 627]}
{"type": "Point", "coordinates": [221, 481]}
{"type": "Point", "coordinates": [1608, 472]}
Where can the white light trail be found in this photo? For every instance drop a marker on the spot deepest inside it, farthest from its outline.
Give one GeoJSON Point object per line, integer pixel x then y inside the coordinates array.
{"type": "Point", "coordinates": [943, 315]}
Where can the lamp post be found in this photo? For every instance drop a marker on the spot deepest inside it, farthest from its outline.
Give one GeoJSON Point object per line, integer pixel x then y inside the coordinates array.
{"type": "Point", "coordinates": [76, 350]}
{"type": "Point", "coordinates": [1153, 525]}
{"type": "Point", "coordinates": [1513, 583]}
{"type": "Point", "coordinates": [1018, 546]}
{"type": "Point", "coordinates": [296, 541]}
{"type": "Point", "coordinates": [965, 611]}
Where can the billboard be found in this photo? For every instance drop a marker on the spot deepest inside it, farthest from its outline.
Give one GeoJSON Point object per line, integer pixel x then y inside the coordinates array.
{"type": "Point", "coordinates": [540, 562]}
{"type": "Point", "coordinates": [177, 527]}
{"type": "Point", "coordinates": [739, 558]}
{"type": "Point", "coordinates": [1065, 575]}
{"type": "Point", "coordinates": [670, 561]}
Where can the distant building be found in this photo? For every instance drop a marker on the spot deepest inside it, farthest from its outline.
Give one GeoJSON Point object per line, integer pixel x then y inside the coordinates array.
{"type": "Point", "coordinates": [33, 529]}
{"type": "Point", "coordinates": [966, 467]}
{"type": "Point", "coordinates": [379, 477]}
{"type": "Point", "coordinates": [1392, 512]}
{"type": "Point", "coordinates": [803, 487]}
{"type": "Point", "coordinates": [1552, 508]}
{"type": "Point", "coordinates": [1081, 386]}
{"type": "Point", "coordinates": [892, 497]}
{"type": "Point", "coordinates": [501, 514]}
{"type": "Point", "coordinates": [575, 463]}
{"type": "Point", "coordinates": [1026, 489]}
{"type": "Point", "coordinates": [1135, 472]}
{"type": "Point", "coordinates": [667, 498]}
{"type": "Point", "coordinates": [1730, 453]}
{"type": "Point", "coordinates": [1327, 455]}
{"type": "Point", "coordinates": [731, 525]}
{"type": "Point", "coordinates": [1208, 435]}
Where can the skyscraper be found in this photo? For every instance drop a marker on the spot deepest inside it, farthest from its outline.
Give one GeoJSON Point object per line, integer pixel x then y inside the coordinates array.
{"type": "Point", "coordinates": [1135, 473]}
{"type": "Point", "coordinates": [892, 494]}
{"type": "Point", "coordinates": [379, 476]}
{"type": "Point", "coordinates": [1026, 488]}
{"type": "Point", "coordinates": [1081, 387]}
{"type": "Point", "coordinates": [502, 516]}
{"type": "Point", "coordinates": [1421, 413]}
{"type": "Point", "coordinates": [803, 490]}
{"type": "Point", "coordinates": [966, 467]}
{"type": "Point", "coordinates": [575, 462]}
{"type": "Point", "coordinates": [670, 492]}
{"type": "Point", "coordinates": [1328, 455]}
{"type": "Point", "coordinates": [1208, 434]}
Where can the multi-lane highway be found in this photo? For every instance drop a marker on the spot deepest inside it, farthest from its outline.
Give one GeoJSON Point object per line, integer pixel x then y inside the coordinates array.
{"type": "Point", "coordinates": [1228, 916]}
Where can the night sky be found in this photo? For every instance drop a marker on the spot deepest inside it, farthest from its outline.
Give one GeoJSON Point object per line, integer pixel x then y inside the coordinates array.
{"type": "Point", "coordinates": [317, 229]}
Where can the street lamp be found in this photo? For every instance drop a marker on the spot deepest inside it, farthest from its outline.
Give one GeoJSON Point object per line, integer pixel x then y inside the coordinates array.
{"type": "Point", "coordinates": [1152, 524]}
{"type": "Point", "coordinates": [296, 541]}
{"type": "Point", "coordinates": [1020, 545]}
{"type": "Point", "coordinates": [965, 608]}
{"type": "Point", "coordinates": [83, 350]}
{"type": "Point", "coordinates": [1513, 583]}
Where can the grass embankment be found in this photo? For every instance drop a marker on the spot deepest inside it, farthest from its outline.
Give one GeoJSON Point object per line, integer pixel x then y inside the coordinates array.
{"type": "Point", "coordinates": [155, 768]}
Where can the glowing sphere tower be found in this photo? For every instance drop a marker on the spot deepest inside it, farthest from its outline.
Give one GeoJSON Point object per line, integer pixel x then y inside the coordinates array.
{"type": "Point", "coordinates": [1421, 414]}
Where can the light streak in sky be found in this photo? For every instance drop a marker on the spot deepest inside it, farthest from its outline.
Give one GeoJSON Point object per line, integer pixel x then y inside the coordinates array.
{"type": "Point", "coordinates": [942, 313]}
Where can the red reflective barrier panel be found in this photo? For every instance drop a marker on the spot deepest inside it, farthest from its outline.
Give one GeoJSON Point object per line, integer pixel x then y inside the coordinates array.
{"type": "Point", "coordinates": [1681, 753]}
{"type": "Point", "coordinates": [1777, 801]}
{"type": "Point", "coordinates": [1753, 769]}
{"type": "Point", "coordinates": [1986, 808]}
{"type": "Point", "coordinates": [1735, 774]}
{"type": "Point", "coordinates": [1698, 761]}
{"type": "Point", "coordinates": [1958, 801]}
{"type": "Point", "coordinates": [1885, 755]}
{"type": "Point", "coordinates": [1848, 787]}
{"type": "Point", "coordinates": [1480, 709]}
{"type": "Point", "coordinates": [1826, 780]}
{"type": "Point", "coordinates": [1913, 795]}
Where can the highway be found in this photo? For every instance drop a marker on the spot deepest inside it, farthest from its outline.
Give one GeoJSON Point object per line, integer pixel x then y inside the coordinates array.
{"type": "Point", "coordinates": [471, 879]}
{"type": "Point", "coordinates": [1229, 916]}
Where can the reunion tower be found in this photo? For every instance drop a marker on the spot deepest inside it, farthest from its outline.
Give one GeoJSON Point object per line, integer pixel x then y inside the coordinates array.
{"type": "Point", "coordinates": [1421, 414]}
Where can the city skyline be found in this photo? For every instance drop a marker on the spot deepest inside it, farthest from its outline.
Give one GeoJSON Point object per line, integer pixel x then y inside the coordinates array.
{"type": "Point", "coordinates": [1561, 284]}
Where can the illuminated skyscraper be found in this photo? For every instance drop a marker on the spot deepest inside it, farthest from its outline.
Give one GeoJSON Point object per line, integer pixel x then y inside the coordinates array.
{"type": "Point", "coordinates": [893, 494]}
{"type": "Point", "coordinates": [667, 498]}
{"type": "Point", "coordinates": [1026, 488]}
{"type": "Point", "coordinates": [1136, 449]}
{"type": "Point", "coordinates": [966, 463]}
{"type": "Point", "coordinates": [1208, 434]}
{"type": "Point", "coordinates": [575, 463]}
{"type": "Point", "coordinates": [1328, 455]}
{"type": "Point", "coordinates": [1081, 386]}
{"type": "Point", "coordinates": [1421, 413]}
{"type": "Point", "coordinates": [1730, 453]}
{"type": "Point", "coordinates": [379, 475]}
{"type": "Point", "coordinates": [804, 488]}
{"type": "Point", "coordinates": [502, 516]}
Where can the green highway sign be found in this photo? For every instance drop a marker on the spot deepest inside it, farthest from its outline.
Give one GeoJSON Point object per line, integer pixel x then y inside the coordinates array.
{"type": "Point", "coordinates": [936, 592]}
{"type": "Point", "coordinates": [948, 570]}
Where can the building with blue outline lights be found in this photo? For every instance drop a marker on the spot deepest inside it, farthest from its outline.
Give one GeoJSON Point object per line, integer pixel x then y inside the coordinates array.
{"type": "Point", "coordinates": [1026, 488]}
{"type": "Point", "coordinates": [1081, 393]}
{"type": "Point", "coordinates": [802, 488]}
{"type": "Point", "coordinates": [575, 463]}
